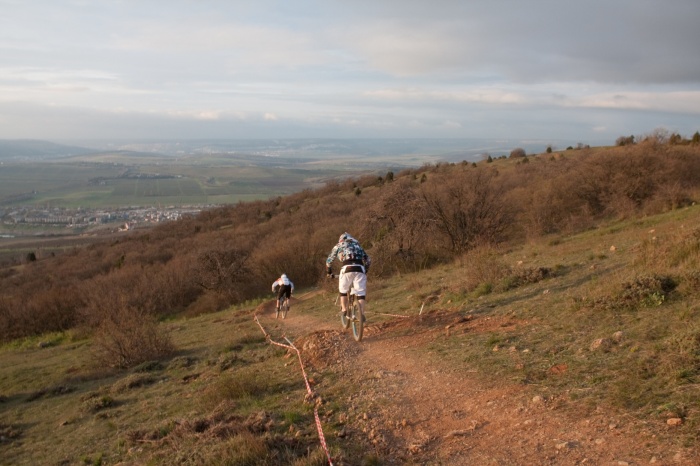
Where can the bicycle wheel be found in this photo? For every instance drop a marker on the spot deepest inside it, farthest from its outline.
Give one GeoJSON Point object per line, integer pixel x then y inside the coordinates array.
{"type": "Point", "coordinates": [344, 319]}
{"type": "Point", "coordinates": [277, 309]}
{"type": "Point", "coordinates": [357, 321]}
{"type": "Point", "coordinates": [285, 308]}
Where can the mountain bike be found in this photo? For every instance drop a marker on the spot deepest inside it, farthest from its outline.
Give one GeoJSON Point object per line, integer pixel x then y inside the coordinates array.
{"type": "Point", "coordinates": [353, 317]}
{"type": "Point", "coordinates": [283, 307]}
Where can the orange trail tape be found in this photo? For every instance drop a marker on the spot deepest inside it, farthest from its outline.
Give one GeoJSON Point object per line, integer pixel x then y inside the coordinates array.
{"type": "Point", "coordinates": [310, 392]}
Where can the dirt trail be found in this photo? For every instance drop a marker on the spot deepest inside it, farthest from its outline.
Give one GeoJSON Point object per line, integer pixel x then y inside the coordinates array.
{"type": "Point", "coordinates": [417, 413]}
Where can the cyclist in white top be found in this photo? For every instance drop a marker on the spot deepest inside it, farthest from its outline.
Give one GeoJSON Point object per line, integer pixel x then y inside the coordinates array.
{"type": "Point", "coordinates": [285, 288]}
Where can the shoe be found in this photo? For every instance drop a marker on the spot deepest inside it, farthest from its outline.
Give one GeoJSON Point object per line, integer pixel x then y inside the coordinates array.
{"type": "Point", "coordinates": [364, 319]}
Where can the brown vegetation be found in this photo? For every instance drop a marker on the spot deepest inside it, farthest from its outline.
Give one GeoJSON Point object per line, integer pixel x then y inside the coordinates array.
{"type": "Point", "coordinates": [407, 221]}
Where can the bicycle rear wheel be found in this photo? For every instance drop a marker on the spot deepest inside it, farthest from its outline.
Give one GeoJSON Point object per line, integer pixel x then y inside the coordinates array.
{"type": "Point", "coordinates": [357, 320]}
{"type": "Point", "coordinates": [344, 316]}
{"type": "Point", "coordinates": [285, 308]}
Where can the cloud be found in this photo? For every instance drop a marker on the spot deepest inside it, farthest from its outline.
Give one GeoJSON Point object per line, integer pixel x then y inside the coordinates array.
{"type": "Point", "coordinates": [538, 41]}
{"type": "Point", "coordinates": [211, 115]}
{"type": "Point", "coordinates": [452, 124]}
{"type": "Point", "coordinates": [233, 44]}
{"type": "Point", "coordinates": [673, 101]}
{"type": "Point", "coordinates": [477, 95]}
{"type": "Point", "coordinates": [362, 68]}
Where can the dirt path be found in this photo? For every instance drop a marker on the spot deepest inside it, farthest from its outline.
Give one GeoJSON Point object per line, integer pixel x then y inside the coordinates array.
{"type": "Point", "coordinates": [417, 413]}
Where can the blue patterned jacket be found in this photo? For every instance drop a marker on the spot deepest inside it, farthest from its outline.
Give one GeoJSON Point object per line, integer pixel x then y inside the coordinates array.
{"type": "Point", "coordinates": [349, 252]}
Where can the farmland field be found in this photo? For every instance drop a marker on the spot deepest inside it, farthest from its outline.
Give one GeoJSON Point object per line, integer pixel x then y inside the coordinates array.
{"type": "Point", "coordinates": [149, 173]}
{"type": "Point", "coordinates": [84, 184]}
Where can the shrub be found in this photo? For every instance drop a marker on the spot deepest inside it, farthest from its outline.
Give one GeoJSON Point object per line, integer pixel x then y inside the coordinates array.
{"type": "Point", "coordinates": [523, 276]}
{"type": "Point", "coordinates": [96, 402]}
{"type": "Point", "coordinates": [624, 141]}
{"type": "Point", "coordinates": [643, 291]}
{"type": "Point", "coordinates": [222, 269]}
{"type": "Point", "coordinates": [399, 227]}
{"type": "Point", "coordinates": [517, 153]}
{"type": "Point", "coordinates": [483, 268]}
{"type": "Point", "coordinates": [128, 338]}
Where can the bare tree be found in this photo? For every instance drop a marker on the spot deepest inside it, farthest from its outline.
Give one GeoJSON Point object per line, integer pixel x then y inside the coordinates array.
{"type": "Point", "coordinates": [469, 208]}
{"type": "Point", "coordinates": [221, 270]}
{"type": "Point", "coordinates": [400, 217]}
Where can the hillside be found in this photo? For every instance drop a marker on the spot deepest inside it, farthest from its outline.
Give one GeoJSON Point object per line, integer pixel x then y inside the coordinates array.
{"type": "Point", "coordinates": [443, 375]}
{"type": "Point", "coordinates": [36, 149]}
{"type": "Point", "coordinates": [556, 325]}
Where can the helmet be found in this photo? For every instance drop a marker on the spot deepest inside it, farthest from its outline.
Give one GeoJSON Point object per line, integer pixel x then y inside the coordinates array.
{"type": "Point", "coordinates": [283, 276]}
{"type": "Point", "coordinates": [345, 237]}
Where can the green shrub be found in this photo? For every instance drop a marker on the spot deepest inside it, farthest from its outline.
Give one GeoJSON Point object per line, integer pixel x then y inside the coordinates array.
{"type": "Point", "coordinates": [643, 291]}
{"type": "Point", "coordinates": [482, 289]}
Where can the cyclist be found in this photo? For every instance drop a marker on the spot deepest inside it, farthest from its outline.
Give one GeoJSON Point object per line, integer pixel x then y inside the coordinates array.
{"type": "Point", "coordinates": [285, 288]}
{"type": "Point", "coordinates": [356, 264]}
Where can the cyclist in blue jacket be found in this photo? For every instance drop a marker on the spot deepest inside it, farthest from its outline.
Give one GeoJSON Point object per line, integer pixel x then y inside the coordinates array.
{"type": "Point", "coordinates": [356, 264]}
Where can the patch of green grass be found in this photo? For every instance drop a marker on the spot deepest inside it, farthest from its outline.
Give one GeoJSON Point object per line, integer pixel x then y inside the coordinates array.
{"type": "Point", "coordinates": [482, 289]}
{"type": "Point", "coordinates": [40, 341]}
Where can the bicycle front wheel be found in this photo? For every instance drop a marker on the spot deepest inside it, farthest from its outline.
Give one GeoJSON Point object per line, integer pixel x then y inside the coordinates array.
{"type": "Point", "coordinates": [357, 321]}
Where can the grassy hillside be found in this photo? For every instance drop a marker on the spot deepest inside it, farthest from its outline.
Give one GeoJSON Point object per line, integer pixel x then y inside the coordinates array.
{"type": "Point", "coordinates": [570, 276]}
{"type": "Point", "coordinates": [598, 330]}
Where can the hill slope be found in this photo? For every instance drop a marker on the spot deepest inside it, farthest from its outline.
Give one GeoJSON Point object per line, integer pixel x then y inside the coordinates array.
{"type": "Point", "coordinates": [524, 310]}
{"type": "Point", "coordinates": [591, 362]}
{"type": "Point", "coordinates": [37, 149]}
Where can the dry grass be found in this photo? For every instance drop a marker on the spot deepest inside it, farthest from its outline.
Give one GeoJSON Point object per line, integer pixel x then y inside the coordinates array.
{"type": "Point", "coordinates": [615, 325]}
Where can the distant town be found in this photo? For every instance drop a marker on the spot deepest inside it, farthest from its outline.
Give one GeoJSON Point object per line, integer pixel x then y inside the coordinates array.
{"type": "Point", "coordinates": [17, 220]}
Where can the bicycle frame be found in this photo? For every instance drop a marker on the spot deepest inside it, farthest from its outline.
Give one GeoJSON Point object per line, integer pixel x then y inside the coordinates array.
{"type": "Point", "coordinates": [283, 307]}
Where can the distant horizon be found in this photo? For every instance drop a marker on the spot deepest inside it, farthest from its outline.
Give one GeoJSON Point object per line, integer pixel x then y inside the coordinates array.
{"type": "Point", "coordinates": [304, 147]}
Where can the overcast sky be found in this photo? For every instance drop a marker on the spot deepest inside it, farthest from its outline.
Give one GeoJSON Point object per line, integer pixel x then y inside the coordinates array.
{"type": "Point", "coordinates": [587, 71]}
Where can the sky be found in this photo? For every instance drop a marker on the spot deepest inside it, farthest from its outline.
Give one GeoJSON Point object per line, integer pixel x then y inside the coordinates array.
{"type": "Point", "coordinates": [585, 71]}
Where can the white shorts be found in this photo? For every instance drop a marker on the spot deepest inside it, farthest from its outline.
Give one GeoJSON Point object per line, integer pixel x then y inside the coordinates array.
{"type": "Point", "coordinates": [358, 280]}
